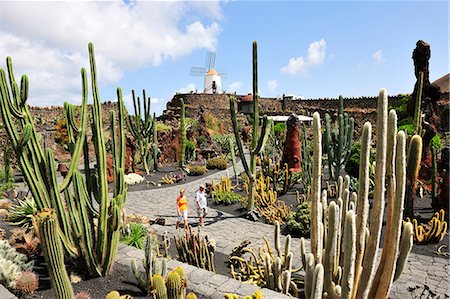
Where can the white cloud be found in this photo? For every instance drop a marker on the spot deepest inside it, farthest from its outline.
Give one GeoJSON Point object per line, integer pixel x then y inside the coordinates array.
{"type": "Point", "coordinates": [51, 44]}
{"type": "Point", "coordinates": [234, 87]}
{"type": "Point", "coordinates": [190, 87]}
{"type": "Point", "coordinates": [272, 85]}
{"type": "Point", "coordinates": [315, 58]}
{"type": "Point", "coordinates": [378, 57]}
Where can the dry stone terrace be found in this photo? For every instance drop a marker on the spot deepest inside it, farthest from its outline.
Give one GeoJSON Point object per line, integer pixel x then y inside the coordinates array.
{"type": "Point", "coordinates": [421, 272]}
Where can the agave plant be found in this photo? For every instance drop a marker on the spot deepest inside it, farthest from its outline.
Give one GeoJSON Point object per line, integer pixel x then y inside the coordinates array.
{"type": "Point", "coordinates": [136, 235]}
{"type": "Point", "coordinates": [22, 213]}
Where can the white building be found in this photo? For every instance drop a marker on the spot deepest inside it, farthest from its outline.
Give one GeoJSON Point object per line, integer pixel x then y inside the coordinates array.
{"type": "Point", "coordinates": [213, 82]}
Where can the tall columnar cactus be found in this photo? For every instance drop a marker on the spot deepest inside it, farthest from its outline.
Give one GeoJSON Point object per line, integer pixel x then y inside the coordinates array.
{"type": "Point", "coordinates": [143, 128]}
{"type": "Point", "coordinates": [338, 139]}
{"type": "Point", "coordinates": [412, 173]}
{"type": "Point", "coordinates": [150, 265]}
{"type": "Point", "coordinates": [433, 176]}
{"type": "Point", "coordinates": [182, 133]}
{"type": "Point", "coordinates": [233, 159]}
{"type": "Point", "coordinates": [342, 262]}
{"type": "Point", "coordinates": [94, 244]}
{"type": "Point", "coordinates": [306, 160]}
{"type": "Point", "coordinates": [54, 254]}
{"type": "Point", "coordinates": [259, 136]}
{"type": "Point", "coordinates": [417, 123]}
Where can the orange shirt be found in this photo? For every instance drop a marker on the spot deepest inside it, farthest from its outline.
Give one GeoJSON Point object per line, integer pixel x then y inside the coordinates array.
{"type": "Point", "coordinates": [182, 203]}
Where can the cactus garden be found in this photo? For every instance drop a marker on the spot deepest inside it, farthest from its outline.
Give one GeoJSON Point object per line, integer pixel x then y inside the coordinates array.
{"type": "Point", "coordinates": [217, 193]}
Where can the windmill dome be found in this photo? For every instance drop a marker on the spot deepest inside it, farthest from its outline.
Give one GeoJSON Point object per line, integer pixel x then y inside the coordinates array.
{"type": "Point", "coordinates": [212, 72]}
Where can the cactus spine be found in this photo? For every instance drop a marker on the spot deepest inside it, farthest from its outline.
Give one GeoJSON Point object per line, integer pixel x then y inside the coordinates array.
{"type": "Point", "coordinates": [182, 133]}
{"type": "Point", "coordinates": [259, 139]}
{"type": "Point", "coordinates": [338, 140]}
{"type": "Point", "coordinates": [94, 245]}
{"type": "Point", "coordinates": [344, 257]}
{"type": "Point", "coordinates": [54, 255]}
{"type": "Point", "coordinates": [433, 176]}
{"type": "Point", "coordinates": [143, 128]}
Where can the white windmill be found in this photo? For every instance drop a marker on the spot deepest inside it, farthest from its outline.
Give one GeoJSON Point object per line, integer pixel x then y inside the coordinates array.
{"type": "Point", "coordinates": [213, 79]}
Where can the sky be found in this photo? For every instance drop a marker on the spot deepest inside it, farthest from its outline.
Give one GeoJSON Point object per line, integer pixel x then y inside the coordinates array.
{"type": "Point", "coordinates": [306, 48]}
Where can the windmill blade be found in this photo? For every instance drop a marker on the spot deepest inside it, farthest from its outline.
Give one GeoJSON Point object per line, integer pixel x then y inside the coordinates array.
{"type": "Point", "coordinates": [208, 61]}
{"type": "Point", "coordinates": [223, 74]}
{"type": "Point", "coordinates": [213, 60]}
{"type": "Point", "coordinates": [198, 71]}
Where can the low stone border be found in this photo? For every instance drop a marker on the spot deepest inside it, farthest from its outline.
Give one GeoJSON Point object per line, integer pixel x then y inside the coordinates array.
{"type": "Point", "coordinates": [5, 293]}
{"type": "Point", "coordinates": [200, 281]}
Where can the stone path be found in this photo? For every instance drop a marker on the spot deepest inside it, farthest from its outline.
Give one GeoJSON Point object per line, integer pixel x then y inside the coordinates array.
{"type": "Point", "coordinates": [422, 272]}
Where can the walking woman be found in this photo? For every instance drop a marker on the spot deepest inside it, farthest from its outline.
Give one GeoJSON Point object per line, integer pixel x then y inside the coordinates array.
{"type": "Point", "coordinates": [182, 208]}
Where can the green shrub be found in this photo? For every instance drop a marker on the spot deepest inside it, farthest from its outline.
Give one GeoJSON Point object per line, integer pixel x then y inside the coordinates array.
{"type": "Point", "coordinates": [191, 124]}
{"type": "Point", "coordinates": [6, 185]}
{"type": "Point", "coordinates": [162, 127]}
{"type": "Point", "coordinates": [212, 123]}
{"type": "Point", "coordinates": [201, 140]}
{"type": "Point", "coordinates": [136, 236]}
{"type": "Point", "coordinates": [190, 150]}
{"type": "Point", "coordinates": [352, 166]}
{"type": "Point", "coordinates": [408, 128]}
{"type": "Point", "coordinates": [196, 170]}
{"type": "Point", "coordinates": [219, 162]}
{"type": "Point", "coordinates": [401, 106]}
{"type": "Point", "coordinates": [225, 198]}
{"type": "Point", "coordinates": [222, 140]}
{"type": "Point", "coordinates": [436, 142]}
{"type": "Point", "coordinates": [298, 223]}
{"type": "Point", "coordinates": [406, 121]}
{"type": "Point", "coordinates": [279, 130]}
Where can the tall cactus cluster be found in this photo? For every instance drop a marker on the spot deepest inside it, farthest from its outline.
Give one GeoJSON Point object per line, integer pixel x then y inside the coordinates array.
{"type": "Point", "coordinates": [259, 135]}
{"type": "Point", "coordinates": [267, 267]}
{"type": "Point", "coordinates": [338, 139]}
{"type": "Point", "coordinates": [143, 128]}
{"type": "Point", "coordinates": [88, 234]}
{"type": "Point", "coordinates": [343, 256]}
{"type": "Point", "coordinates": [195, 250]}
{"type": "Point", "coordinates": [150, 264]}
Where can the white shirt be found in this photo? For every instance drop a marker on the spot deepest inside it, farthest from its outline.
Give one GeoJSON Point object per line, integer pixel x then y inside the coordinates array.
{"type": "Point", "coordinates": [201, 199]}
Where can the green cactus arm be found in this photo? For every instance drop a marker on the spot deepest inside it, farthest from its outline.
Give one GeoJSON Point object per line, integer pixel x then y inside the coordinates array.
{"type": "Point", "coordinates": [80, 138]}
{"type": "Point", "coordinates": [255, 122]}
{"type": "Point", "coordinates": [412, 173]}
{"type": "Point", "coordinates": [54, 255]}
{"type": "Point", "coordinates": [406, 245]}
{"type": "Point", "coordinates": [316, 187]}
{"type": "Point", "coordinates": [378, 195]}
{"type": "Point", "coordinates": [100, 149]}
{"type": "Point", "coordinates": [137, 275]}
{"type": "Point", "coordinates": [237, 138]}
{"type": "Point", "coordinates": [265, 132]}
{"type": "Point", "coordinates": [86, 223]}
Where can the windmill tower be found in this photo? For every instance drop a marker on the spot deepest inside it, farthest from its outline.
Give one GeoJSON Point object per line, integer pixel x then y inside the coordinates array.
{"type": "Point", "coordinates": [213, 79]}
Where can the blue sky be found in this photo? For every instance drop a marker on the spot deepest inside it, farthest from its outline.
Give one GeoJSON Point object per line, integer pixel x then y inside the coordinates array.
{"type": "Point", "coordinates": [312, 49]}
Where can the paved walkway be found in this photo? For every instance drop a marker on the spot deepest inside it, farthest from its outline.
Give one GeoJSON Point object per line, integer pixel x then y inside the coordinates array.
{"type": "Point", "coordinates": [423, 274]}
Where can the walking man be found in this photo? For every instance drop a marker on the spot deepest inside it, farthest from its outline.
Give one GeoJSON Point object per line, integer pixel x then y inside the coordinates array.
{"type": "Point", "coordinates": [200, 196]}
